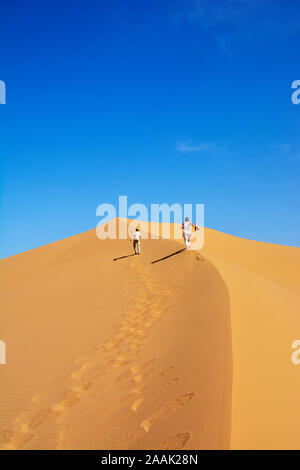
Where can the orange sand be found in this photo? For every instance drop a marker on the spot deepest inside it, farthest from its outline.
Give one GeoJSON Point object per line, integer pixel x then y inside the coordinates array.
{"type": "Point", "coordinates": [192, 351]}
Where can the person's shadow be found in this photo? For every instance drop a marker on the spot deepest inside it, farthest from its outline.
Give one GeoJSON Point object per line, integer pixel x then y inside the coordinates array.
{"type": "Point", "coordinates": [168, 256]}
{"type": "Point", "coordinates": [126, 256]}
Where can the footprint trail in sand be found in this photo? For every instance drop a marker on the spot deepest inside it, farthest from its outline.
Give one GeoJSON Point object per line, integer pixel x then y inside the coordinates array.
{"type": "Point", "coordinates": [118, 352]}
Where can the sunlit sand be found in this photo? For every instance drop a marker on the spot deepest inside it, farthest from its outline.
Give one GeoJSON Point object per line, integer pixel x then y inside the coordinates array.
{"type": "Point", "coordinates": [189, 351]}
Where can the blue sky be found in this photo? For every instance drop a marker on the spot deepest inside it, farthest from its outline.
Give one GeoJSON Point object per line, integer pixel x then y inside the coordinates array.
{"type": "Point", "coordinates": [162, 101]}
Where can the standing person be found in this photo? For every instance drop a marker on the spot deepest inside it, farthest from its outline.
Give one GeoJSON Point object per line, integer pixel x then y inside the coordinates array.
{"type": "Point", "coordinates": [187, 232]}
{"type": "Point", "coordinates": [136, 242]}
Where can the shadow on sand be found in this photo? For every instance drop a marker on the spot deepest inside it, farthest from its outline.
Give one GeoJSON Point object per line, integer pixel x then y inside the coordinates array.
{"type": "Point", "coordinates": [126, 256]}
{"type": "Point", "coordinates": [169, 256]}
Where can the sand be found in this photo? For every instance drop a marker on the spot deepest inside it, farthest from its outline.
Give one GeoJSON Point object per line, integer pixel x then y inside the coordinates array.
{"type": "Point", "coordinates": [111, 351]}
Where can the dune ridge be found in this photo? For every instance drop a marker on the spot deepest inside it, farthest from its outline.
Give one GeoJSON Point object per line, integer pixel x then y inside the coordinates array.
{"type": "Point", "coordinates": [173, 349]}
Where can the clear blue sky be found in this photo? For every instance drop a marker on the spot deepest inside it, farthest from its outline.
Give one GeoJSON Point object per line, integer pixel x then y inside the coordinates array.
{"type": "Point", "coordinates": [164, 101]}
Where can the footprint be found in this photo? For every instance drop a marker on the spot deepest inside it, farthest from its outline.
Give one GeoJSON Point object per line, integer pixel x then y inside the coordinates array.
{"type": "Point", "coordinates": [38, 418]}
{"type": "Point", "coordinates": [21, 436]}
{"type": "Point", "coordinates": [136, 404]}
{"type": "Point", "coordinates": [67, 403]}
{"type": "Point", "coordinates": [18, 440]}
{"type": "Point", "coordinates": [133, 349]}
{"type": "Point", "coordinates": [131, 324]}
{"type": "Point", "coordinates": [124, 357]}
{"type": "Point", "coordinates": [134, 373]}
{"type": "Point", "coordinates": [70, 397]}
{"type": "Point", "coordinates": [144, 365]}
{"type": "Point", "coordinates": [121, 363]}
{"type": "Point", "coordinates": [176, 442]}
{"type": "Point", "coordinates": [79, 372]}
{"type": "Point", "coordinates": [93, 364]}
{"type": "Point", "coordinates": [153, 393]}
{"type": "Point", "coordinates": [76, 390]}
{"type": "Point", "coordinates": [167, 409]}
{"type": "Point", "coordinates": [151, 381]}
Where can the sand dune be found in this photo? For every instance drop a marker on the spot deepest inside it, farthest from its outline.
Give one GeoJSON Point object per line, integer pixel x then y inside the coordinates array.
{"type": "Point", "coordinates": [111, 351]}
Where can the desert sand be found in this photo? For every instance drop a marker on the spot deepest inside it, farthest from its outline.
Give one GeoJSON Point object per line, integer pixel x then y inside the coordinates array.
{"type": "Point", "coordinates": [106, 350]}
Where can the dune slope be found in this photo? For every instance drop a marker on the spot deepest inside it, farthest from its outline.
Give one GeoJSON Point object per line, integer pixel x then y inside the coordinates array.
{"type": "Point", "coordinates": [172, 349]}
{"type": "Point", "coordinates": [264, 290]}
